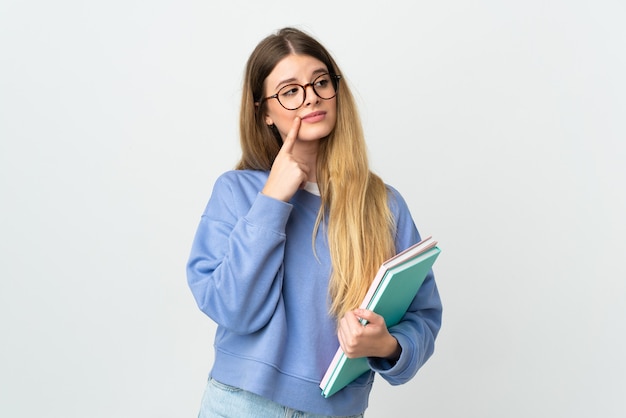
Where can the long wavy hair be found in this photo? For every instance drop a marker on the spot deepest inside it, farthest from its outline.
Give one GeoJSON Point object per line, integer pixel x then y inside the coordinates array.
{"type": "Point", "coordinates": [360, 227]}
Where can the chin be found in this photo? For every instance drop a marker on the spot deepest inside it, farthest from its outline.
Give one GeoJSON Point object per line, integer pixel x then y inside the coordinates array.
{"type": "Point", "coordinates": [315, 133]}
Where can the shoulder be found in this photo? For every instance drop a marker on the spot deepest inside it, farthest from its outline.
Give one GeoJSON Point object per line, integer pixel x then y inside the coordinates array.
{"type": "Point", "coordinates": [406, 232]}
{"type": "Point", "coordinates": [248, 178]}
{"type": "Point", "coordinates": [396, 201]}
{"type": "Point", "coordinates": [236, 190]}
{"type": "Point", "coordinates": [240, 181]}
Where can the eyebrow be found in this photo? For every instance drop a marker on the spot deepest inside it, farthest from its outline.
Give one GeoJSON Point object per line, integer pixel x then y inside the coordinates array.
{"type": "Point", "coordinates": [293, 79]}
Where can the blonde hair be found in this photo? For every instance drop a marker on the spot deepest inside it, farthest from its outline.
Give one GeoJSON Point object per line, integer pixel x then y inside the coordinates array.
{"type": "Point", "coordinates": [360, 227]}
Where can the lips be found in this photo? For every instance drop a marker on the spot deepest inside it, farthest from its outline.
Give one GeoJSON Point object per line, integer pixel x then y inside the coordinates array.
{"type": "Point", "coordinates": [314, 117]}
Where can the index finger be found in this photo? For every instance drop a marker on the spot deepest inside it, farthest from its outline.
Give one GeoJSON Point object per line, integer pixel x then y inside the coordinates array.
{"type": "Point", "coordinates": [290, 139]}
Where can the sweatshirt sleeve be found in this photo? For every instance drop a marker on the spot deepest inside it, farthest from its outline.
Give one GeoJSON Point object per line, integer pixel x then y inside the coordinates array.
{"type": "Point", "coordinates": [418, 329]}
{"type": "Point", "coordinates": [235, 268]}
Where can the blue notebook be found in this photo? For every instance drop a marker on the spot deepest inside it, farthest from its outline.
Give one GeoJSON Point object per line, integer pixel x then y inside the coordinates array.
{"type": "Point", "coordinates": [390, 295]}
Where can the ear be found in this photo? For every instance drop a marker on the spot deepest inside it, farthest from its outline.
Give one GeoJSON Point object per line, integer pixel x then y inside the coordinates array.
{"type": "Point", "coordinates": [268, 120]}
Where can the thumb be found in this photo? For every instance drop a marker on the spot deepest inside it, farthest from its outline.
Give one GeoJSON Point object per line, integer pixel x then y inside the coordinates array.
{"type": "Point", "coordinates": [366, 315]}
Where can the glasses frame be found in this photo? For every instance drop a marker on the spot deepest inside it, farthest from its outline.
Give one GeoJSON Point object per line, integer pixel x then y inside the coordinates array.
{"type": "Point", "coordinates": [335, 77]}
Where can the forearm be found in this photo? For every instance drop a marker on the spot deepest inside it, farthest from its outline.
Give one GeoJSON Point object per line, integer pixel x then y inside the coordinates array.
{"type": "Point", "coordinates": [415, 335]}
{"type": "Point", "coordinates": [235, 272]}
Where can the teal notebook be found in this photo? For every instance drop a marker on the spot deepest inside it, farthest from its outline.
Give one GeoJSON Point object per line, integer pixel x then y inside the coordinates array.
{"type": "Point", "coordinates": [390, 295]}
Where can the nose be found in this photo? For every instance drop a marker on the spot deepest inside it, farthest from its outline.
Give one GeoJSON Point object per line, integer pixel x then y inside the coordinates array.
{"type": "Point", "coordinates": [310, 96]}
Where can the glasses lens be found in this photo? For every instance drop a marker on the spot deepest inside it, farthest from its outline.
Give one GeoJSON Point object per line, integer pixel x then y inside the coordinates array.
{"type": "Point", "coordinates": [291, 96]}
{"type": "Point", "coordinates": [325, 87]}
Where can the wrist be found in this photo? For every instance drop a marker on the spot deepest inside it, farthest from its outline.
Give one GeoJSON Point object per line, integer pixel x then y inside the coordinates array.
{"type": "Point", "coordinates": [394, 350]}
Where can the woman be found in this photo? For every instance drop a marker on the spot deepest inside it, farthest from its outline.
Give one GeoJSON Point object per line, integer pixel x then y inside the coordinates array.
{"type": "Point", "coordinates": [290, 241]}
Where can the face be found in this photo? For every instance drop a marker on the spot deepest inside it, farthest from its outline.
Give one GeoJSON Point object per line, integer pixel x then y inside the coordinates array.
{"type": "Point", "coordinates": [318, 115]}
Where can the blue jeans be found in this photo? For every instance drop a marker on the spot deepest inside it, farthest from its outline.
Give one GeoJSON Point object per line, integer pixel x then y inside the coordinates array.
{"type": "Point", "coordinates": [226, 401]}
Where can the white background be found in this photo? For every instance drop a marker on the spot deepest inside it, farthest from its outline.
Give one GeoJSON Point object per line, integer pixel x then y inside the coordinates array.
{"type": "Point", "coordinates": [502, 124]}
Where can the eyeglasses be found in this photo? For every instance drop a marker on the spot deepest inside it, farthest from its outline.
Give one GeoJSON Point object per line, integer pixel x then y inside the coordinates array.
{"type": "Point", "coordinates": [292, 96]}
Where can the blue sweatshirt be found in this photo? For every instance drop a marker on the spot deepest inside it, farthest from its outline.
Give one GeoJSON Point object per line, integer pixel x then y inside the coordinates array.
{"type": "Point", "coordinates": [253, 271]}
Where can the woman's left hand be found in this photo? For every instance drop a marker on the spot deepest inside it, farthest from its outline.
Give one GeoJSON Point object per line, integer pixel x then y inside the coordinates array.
{"type": "Point", "coordinates": [371, 340]}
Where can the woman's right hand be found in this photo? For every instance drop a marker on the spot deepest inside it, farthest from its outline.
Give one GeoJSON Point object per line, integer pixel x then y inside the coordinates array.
{"type": "Point", "coordinates": [288, 174]}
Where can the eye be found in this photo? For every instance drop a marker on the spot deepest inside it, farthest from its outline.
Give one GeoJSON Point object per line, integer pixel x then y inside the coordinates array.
{"type": "Point", "coordinates": [290, 90]}
{"type": "Point", "coordinates": [322, 82]}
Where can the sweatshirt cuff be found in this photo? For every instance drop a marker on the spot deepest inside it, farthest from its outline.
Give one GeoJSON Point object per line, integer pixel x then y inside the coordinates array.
{"type": "Point", "coordinates": [269, 213]}
{"type": "Point", "coordinates": [384, 366]}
